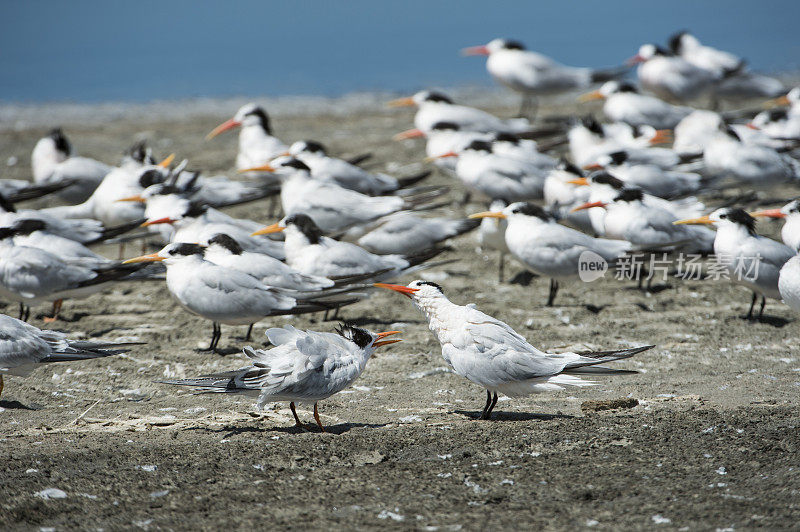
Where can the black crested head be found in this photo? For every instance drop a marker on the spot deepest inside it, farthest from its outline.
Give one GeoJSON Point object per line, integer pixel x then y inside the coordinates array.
{"type": "Point", "coordinates": [263, 118]}
{"type": "Point", "coordinates": [479, 145]}
{"type": "Point", "coordinates": [661, 51]}
{"type": "Point", "coordinates": [566, 166]}
{"type": "Point", "coordinates": [510, 44]}
{"type": "Point", "coordinates": [592, 125]}
{"type": "Point", "coordinates": [186, 249]}
{"type": "Point", "coordinates": [531, 209]}
{"type": "Point", "coordinates": [445, 126]}
{"type": "Point", "coordinates": [626, 86]}
{"type": "Point", "coordinates": [314, 146]}
{"type": "Point", "coordinates": [221, 239]}
{"type": "Point", "coordinates": [357, 335]}
{"type": "Point", "coordinates": [6, 205]}
{"type": "Point", "coordinates": [618, 157]}
{"type": "Point", "coordinates": [150, 178]}
{"type": "Point", "coordinates": [676, 42]}
{"type": "Point", "coordinates": [777, 115]}
{"type": "Point", "coordinates": [630, 194]}
{"type": "Point", "coordinates": [795, 205]}
{"type": "Point", "coordinates": [604, 178]}
{"type": "Point", "coordinates": [6, 232]}
{"type": "Point", "coordinates": [507, 137]}
{"type": "Point", "coordinates": [740, 216]}
{"type": "Point", "coordinates": [430, 283]}
{"type": "Point", "coordinates": [138, 152]}
{"type": "Point", "coordinates": [307, 226]}
{"type": "Point", "coordinates": [296, 164]}
{"type": "Point", "coordinates": [27, 226]}
{"type": "Point", "coordinates": [434, 96]}
{"type": "Point", "coordinates": [60, 140]}
{"type": "Point", "coordinates": [195, 209]}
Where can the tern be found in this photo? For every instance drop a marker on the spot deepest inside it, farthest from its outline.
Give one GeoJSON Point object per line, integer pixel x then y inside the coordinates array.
{"type": "Point", "coordinates": [649, 177]}
{"type": "Point", "coordinates": [52, 161]}
{"type": "Point", "coordinates": [777, 123]}
{"type": "Point", "coordinates": [790, 233]}
{"type": "Point", "coordinates": [751, 260]}
{"type": "Point", "coordinates": [548, 248]}
{"type": "Point", "coordinates": [434, 107]}
{"type": "Point", "coordinates": [533, 74]}
{"type": "Point", "coordinates": [728, 156]}
{"type": "Point", "coordinates": [405, 233]}
{"type": "Point", "coordinates": [444, 137]}
{"type": "Point", "coordinates": [310, 252]}
{"type": "Point", "coordinates": [694, 133]}
{"type": "Point", "coordinates": [588, 140]}
{"type": "Point", "coordinates": [224, 295]}
{"type": "Point", "coordinates": [561, 196]}
{"type": "Point", "coordinates": [671, 77]}
{"type": "Point", "coordinates": [23, 347]}
{"type": "Point", "coordinates": [257, 144]}
{"type": "Point", "coordinates": [492, 235]}
{"type": "Point", "coordinates": [303, 367]}
{"type": "Point", "coordinates": [624, 103]}
{"type": "Point", "coordinates": [491, 354]}
{"type": "Point", "coordinates": [332, 169]}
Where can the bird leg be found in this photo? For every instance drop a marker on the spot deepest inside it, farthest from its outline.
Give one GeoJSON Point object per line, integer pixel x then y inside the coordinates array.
{"type": "Point", "coordinates": [501, 267]}
{"type": "Point", "coordinates": [249, 332]}
{"type": "Point", "coordinates": [121, 250]}
{"type": "Point", "coordinates": [491, 407]}
{"type": "Point", "coordinates": [216, 333]}
{"type": "Point", "coordinates": [316, 418]}
{"type": "Point", "coordinates": [325, 317]}
{"type": "Point", "coordinates": [752, 306]}
{"type": "Point", "coordinates": [553, 292]}
{"type": "Point", "coordinates": [761, 312]}
{"type": "Point", "coordinates": [528, 102]}
{"type": "Point", "coordinates": [487, 405]}
{"type": "Point", "coordinates": [22, 311]}
{"type": "Point", "coordinates": [56, 309]}
{"type": "Point", "coordinates": [297, 422]}
{"type": "Point", "coordinates": [1, 384]}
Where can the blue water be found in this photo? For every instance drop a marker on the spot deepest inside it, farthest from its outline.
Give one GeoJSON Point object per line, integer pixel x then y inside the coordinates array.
{"type": "Point", "coordinates": [92, 50]}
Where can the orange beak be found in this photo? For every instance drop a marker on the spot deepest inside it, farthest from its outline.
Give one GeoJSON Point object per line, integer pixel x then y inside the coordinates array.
{"type": "Point", "coordinates": [442, 156]}
{"type": "Point", "coordinates": [168, 161]}
{"type": "Point", "coordinates": [487, 214]}
{"type": "Point", "coordinates": [406, 291]}
{"type": "Point", "coordinates": [153, 257]}
{"type": "Point", "coordinates": [662, 136]}
{"type": "Point", "coordinates": [593, 166]}
{"type": "Point", "coordinates": [274, 228]}
{"type": "Point", "coordinates": [779, 101]}
{"type": "Point", "coordinates": [580, 181]}
{"type": "Point", "coordinates": [262, 168]}
{"type": "Point", "coordinates": [136, 198]}
{"type": "Point", "coordinates": [223, 127]}
{"type": "Point", "coordinates": [475, 50]}
{"type": "Point", "coordinates": [635, 60]}
{"type": "Point", "coordinates": [694, 221]}
{"type": "Point", "coordinates": [166, 220]}
{"type": "Point", "coordinates": [409, 134]}
{"type": "Point", "coordinates": [590, 205]}
{"type": "Point", "coordinates": [589, 96]}
{"type": "Point", "coordinates": [378, 342]}
{"type": "Point", "coordinates": [402, 102]}
{"type": "Point", "coordinates": [770, 213]}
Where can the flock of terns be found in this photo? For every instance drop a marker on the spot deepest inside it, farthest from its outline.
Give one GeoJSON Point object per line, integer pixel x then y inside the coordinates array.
{"type": "Point", "coordinates": [621, 188]}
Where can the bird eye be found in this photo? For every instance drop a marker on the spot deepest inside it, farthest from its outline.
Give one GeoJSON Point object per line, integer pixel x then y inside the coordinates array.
{"type": "Point", "coordinates": [723, 216]}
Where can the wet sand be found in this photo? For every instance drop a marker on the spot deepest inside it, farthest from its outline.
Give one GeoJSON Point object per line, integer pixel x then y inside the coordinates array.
{"type": "Point", "coordinates": [712, 442]}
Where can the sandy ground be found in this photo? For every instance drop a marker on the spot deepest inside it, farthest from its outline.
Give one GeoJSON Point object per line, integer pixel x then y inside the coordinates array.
{"type": "Point", "coordinates": [712, 444]}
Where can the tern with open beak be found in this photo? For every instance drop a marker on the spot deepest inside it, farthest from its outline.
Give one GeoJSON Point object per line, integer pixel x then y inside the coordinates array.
{"type": "Point", "coordinates": [491, 354]}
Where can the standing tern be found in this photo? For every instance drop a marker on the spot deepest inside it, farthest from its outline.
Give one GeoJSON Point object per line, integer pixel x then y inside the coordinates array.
{"type": "Point", "coordinates": [561, 196]}
{"type": "Point", "coordinates": [548, 248]}
{"type": "Point", "coordinates": [434, 107]}
{"type": "Point", "coordinates": [624, 103]}
{"type": "Point", "coordinates": [312, 253]}
{"type": "Point", "coordinates": [492, 235]}
{"type": "Point", "coordinates": [23, 347]}
{"type": "Point", "coordinates": [303, 367]}
{"type": "Point", "coordinates": [491, 354]}
{"type": "Point", "coordinates": [534, 74]}
{"type": "Point", "coordinates": [52, 161]}
{"type": "Point", "coordinates": [751, 260]}
{"type": "Point", "coordinates": [224, 295]}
